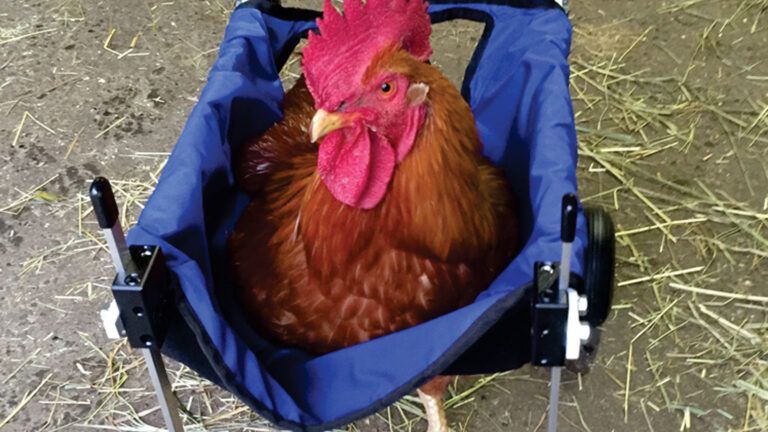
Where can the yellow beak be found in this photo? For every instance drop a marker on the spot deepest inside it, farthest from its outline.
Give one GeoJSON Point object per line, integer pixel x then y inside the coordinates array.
{"type": "Point", "coordinates": [324, 123]}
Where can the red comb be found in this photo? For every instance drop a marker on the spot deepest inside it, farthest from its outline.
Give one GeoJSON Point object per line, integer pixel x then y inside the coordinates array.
{"type": "Point", "coordinates": [347, 42]}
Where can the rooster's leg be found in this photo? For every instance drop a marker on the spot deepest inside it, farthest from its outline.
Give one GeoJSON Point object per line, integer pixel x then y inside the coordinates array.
{"type": "Point", "coordinates": [431, 395]}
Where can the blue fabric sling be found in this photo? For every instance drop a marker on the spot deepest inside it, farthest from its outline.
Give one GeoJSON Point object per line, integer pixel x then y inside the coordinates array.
{"type": "Point", "coordinates": [517, 86]}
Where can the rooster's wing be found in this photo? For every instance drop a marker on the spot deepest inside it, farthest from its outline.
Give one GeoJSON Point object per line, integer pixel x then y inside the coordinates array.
{"type": "Point", "coordinates": [274, 150]}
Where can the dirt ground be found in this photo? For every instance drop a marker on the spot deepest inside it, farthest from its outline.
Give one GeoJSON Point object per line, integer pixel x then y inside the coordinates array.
{"type": "Point", "coordinates": [672, 112]}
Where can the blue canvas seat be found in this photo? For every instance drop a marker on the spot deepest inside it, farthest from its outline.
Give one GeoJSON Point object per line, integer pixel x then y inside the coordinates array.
{"type": "Point", "coordinates": [517, 86]}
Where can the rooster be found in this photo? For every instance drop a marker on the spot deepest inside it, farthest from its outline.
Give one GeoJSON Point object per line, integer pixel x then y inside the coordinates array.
{"type": "Point", "coordinates": [373, 208]}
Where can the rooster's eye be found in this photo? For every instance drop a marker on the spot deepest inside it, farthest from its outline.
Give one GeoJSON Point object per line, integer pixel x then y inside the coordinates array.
{"type": "Point", "coordinates": [386, 87]}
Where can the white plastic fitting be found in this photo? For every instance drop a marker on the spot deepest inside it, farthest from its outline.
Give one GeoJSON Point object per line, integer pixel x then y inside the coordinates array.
{"type": "Point", "coordinates": [109, 317]}
{"type": "Point", "coordinates": [576, 332]}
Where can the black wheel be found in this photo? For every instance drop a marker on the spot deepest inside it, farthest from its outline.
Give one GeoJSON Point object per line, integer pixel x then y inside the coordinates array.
{"type": "Point", "coordinates": [599, 259]}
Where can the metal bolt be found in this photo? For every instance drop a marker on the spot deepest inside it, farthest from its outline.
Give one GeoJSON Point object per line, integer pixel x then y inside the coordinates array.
{"type": "Point", "coordinates": [583, 305]}
{"type": "Point", "coordinates": [584, 331]}
{"type": "Point", "coordinates": [146, 340]}
{"type": "Point", "coordinates": [132, 279]}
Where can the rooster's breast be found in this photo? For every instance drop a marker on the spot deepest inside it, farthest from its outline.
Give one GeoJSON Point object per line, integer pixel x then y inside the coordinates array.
{"type": "Point", "coordinates": [343, 301]}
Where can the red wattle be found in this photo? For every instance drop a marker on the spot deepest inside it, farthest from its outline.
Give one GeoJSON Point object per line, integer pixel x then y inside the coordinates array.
{"type": "Point", "coordinates": [356, 165]}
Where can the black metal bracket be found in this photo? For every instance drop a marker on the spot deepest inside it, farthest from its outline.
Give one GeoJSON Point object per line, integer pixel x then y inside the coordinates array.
{"type": "Point", "coordinates": [144, 298]}
{"type": "Point", "coordinates": [549, 317]}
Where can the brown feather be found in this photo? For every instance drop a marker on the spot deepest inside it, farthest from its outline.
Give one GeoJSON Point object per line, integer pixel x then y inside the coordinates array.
{"type": "Point", "coordinates": [319, 275]}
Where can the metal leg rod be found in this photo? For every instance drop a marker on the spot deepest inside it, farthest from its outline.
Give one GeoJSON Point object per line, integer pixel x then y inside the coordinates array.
{"type": "Point", "coordinates": [554, 399]}
{"type": "Point", "coordinates": [168, 403]}
{"type": "Point", "coordinates": [554, 382]}
{"type": "Point", "coordinates": [117, 248]}
{"type": "Point", "coordinates": [565, 270]}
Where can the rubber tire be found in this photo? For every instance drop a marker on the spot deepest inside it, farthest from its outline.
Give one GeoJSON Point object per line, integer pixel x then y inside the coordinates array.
{"type": "Point", "coordinates": [600, 261]}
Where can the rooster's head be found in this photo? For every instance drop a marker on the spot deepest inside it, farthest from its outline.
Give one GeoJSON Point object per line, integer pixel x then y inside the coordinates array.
{"type": "Point", "coordinates": [363, 70]}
